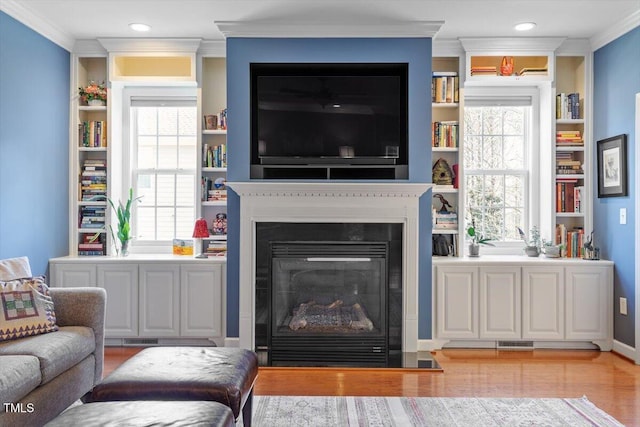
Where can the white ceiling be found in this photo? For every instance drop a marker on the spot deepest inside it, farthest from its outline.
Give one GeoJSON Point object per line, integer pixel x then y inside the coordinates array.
{"type": "Point", "coordinates": [67, 20]}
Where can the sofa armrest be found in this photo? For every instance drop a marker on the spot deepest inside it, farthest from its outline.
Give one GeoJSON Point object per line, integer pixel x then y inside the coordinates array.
{"type": "Point", "coordinates": [83, 306]}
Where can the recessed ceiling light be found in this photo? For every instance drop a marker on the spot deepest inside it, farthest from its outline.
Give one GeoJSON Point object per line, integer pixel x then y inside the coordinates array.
{"type": "Point", "coordinates": [139, 27]}
{"type": "Point", "coordinates": [525, 26]}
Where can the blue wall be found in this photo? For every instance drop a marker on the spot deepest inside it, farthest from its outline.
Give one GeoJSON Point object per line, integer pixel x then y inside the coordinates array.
{"type": "Point", "coordinates": [414, 51]}
{"type": "Point", "coordinates": [34, 145]}
{"type": "Point", "coordinates": [616, 81]}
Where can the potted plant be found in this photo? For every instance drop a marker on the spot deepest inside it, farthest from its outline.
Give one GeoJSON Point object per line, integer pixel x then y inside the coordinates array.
{"type": "Point", "coordinates": [123, 213]}
{"type": "Point", "coordinates": [476, 240]}
{"type": "Point", "coordinates": [533, 244]}
{"type": "Point", "coordinates": [95, 94]}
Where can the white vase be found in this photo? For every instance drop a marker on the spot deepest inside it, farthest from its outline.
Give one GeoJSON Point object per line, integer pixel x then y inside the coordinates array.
{"type": "Point", "coordinates": [96, 103]}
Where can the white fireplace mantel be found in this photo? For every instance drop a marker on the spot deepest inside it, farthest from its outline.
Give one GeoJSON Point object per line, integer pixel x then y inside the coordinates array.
{"type": "Point", "coordinates": [329, 202]}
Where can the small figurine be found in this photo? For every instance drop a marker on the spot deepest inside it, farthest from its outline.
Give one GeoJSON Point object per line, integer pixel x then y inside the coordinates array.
{"type": "Point", "coordinates": [444, 202]}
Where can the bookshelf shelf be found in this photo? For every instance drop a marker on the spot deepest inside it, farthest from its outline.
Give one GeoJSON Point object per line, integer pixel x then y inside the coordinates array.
{"type": "Point", "coordinates": [214, 132]}
{"type": "Point", "coordinates": [445, 104]}
{"type": "Point", "coordinates": [445, 149]}
{"type": "Point", "coordinates": [569, 148]}
{"type": "Point", "coordinates": [92, 108]}
{"type": "Point", "coordinates": [91, 230]}
{"type": "Point", "coordinates": [570, 214]}
{"type": "Point", "coordinates": [216, 237]}
{"type": "Point", "coordinates": [96, 149]}
{"type": "Point", "coordinates": [214, 203]}
{"type": "Point", "coordinates": [220, 170]}
{"type": "Point", "coordinates": [442, 189]}
{"type": "Point", "coordinates": [444, 231]}
{"type": "Point", "coordinates": [570, 121]}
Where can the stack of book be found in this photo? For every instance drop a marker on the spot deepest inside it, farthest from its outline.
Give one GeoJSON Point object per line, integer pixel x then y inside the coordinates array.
{"type": "Point", "coordinates": [445, 134]}
{"type": "Point", "coordinates": [92, 133]}
{"type": "Point", "coordinates": [217, 195]}
{"type": "Point", "coordinates": [92, 216]}
{"type": "Point", "coordinates": [216, 248]}
{"type": "Point", "coordinates": [569, 138]}
{"type": "Point", "coordinates": [93, 182]}
{"type": "Point", "coordinates": [567, 165]}
{"type": "Point", "coordinates": [445, 87]}
{"type": "Point", "coordinates": [568, 105]}
{"type": "Point", "coordinates": [91, 245]}
{"type": "Point", "coordinates": [482, 70]}
{"type": "Point", "coordinates": [445, 221]}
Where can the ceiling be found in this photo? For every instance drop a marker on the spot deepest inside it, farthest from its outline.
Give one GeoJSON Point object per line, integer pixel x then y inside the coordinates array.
{"type": "Point", "coordinates": [64, 21]}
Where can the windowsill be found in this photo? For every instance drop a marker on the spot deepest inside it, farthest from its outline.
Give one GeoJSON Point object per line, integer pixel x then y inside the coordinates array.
{"type": "Point", "coordinates": [136, 258]}
{"type": "Point", "coordinates": [513, 260]}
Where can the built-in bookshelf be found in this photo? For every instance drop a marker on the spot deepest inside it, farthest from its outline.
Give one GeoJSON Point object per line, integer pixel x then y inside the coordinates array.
{"type": "Point", "coordinates": [89, 171]}
{"type": "Point", "coordinates": [447, 206]}
{"type": "Point", "coordinates": [572, 160]}
{"type": "Point", "coordinates": [213, 154]}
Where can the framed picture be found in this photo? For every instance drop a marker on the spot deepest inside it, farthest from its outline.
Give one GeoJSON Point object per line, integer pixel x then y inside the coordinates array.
{"type": "Point", "coordinates": [612, 166]}
{"type": "Point", "coordinates": [210, 122]}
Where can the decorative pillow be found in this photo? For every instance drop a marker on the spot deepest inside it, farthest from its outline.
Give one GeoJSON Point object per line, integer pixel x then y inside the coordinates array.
{"type": "Point", "coordinates": [15, 268]}
{"type": "Point", "coordinates": [26, 308]}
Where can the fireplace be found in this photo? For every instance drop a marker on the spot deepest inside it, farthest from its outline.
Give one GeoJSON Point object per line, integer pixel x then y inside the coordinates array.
{"type": "Point", "coordinates": [326, 294]}
{"type": "Point", "coordinates": [327, 203]}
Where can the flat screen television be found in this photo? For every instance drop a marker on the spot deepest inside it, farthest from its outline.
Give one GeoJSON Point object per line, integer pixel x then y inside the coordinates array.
{"type": "Point", "coordinates": [329, 120]}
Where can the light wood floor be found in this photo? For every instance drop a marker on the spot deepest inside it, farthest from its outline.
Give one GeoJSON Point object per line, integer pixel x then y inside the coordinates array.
{"type": "Point", "coordinates": [609, 381]}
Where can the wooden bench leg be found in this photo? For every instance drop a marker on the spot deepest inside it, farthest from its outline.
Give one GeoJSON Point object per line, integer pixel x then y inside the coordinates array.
{"type": "Point", "coordinates": [247, 410]}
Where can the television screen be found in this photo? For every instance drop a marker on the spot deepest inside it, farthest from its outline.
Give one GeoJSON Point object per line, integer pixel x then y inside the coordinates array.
{"type": "Point", "coordinates": [347, 113]}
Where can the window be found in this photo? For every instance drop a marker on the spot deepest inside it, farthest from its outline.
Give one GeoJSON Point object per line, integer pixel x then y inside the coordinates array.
{"type": "Point", "coordinates": [500, 164]}
{"type": "Point", "coordinates": [162, 146]}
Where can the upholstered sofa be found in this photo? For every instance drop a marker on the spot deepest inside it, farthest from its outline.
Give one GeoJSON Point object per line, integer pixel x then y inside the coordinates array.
{"type": "Point", "coordinates": [43, 374]}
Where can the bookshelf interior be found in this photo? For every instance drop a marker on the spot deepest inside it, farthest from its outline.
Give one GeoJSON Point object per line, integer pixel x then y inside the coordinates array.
{"type": "Point", "coordinates": [213, 149]}
{"type": "Point", "coordinates": [446, 203]}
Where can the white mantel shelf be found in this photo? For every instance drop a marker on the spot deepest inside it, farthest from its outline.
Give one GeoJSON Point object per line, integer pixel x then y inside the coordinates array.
{"type": "Point", "coordinates": [329, 202]}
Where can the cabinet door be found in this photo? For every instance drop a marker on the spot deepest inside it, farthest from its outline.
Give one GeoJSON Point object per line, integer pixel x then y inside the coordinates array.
{"type": "Point", "coordinates": [543, 303]}
{"type": "Point", "coordinates": [121, 283]}
{"type": "Point", "coordinates": [72, 275]}
{"type": "Point", "coordinates": [457, 302]}
{"type": "Point", "coordinates": [159, 300]}
{"type": "Point", "coordinates": [500, 303]}
{"type": "Point", "coordinates": [201, 300]}
{"type": "Point", "coordinates": [589, 301]}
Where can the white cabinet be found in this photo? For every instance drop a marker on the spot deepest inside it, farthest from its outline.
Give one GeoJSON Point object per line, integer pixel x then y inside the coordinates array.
{"type": "Point", "coordinates": [543, 302]}
{"type": "Point", "coordinates": [121, 283]}
{"type": "Point", "coordinates": [201, 299]}
{"type": "Point", "coordinates": [518, 299]}
{"type": "Point", "coordinates": [150, 298]}
{"type": "Point", "coordinates": [457, 302]}
{"type": "Point", "coordinates": [73, 275]}
{"type": "Point", "coordinates": [159, 300]}
{"type": "Point", "coordinates": [586, 290]}
{"type": "Point", "coordinates": [500, 303]}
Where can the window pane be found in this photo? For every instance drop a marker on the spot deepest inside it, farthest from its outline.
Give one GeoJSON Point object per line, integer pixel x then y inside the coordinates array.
{"type": "Point", "coordinates": [514, 197]}
{"type": "Point", "coordinates": [187, 121]}
{"type": "Point", "coordinates": [147, 121]}
{"type": "Point", "coordinates": [166, 190]}
{"type": "Point", "coordinates": [492, 153]}
{"type": "Point", "coordinates": [513, 218]}
{"type": "Point", "coordinates": [184, 222]}
{"type": "Point", "coordinates": [186, 190]}
{"type": "Point", "coordinates": [473, 152]}
{"type": "Point", "coordinates": [494, 190]}
{"type": "Point", "coordinates": [187, 152]}
{"type": "Point", "coordinates": [166, 228]}
{"type": "Point", "coordinates": [492, 121]}
{"type": "Point", "coordinates": [513, 121]}
{"type": "Point", "coordinates": [472, 121]}
{"type": "Point", "coordinates": [145, 224]}
{"type": "Point", "coordinates": [147, 151]}
{"type": "Point", "coordinates": [167, 121]}
{"type": "Point", "coordinates": [514, 152]}
{"type": "Point", "coordinates": [147, 189]}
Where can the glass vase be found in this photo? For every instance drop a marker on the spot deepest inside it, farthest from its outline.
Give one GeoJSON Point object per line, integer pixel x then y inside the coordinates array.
{"type": "Point", "coordinates": [124, 248]}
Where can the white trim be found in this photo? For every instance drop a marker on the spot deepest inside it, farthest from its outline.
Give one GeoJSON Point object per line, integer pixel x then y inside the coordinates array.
{"type": "Point", "coordinates": [446, 47]}
{"type": "Point", "coordinates": [278, 28]}
{"type": "Point", "coordinates": [141, 46]}
{"type": "Point", "coordinates": [629, 23]}
{"type": "Point", "coordinates": [623, 349]}
{"type": "Point", "coordinates": [232, 342]}
{"type": "Point", "coordinates": [511, 45]}
{"type": "Point", "coordinates": [41, 26]}
{"type": "Point", "coordinates": [213, 48]}
{"type": "Point", "coordinates": [637, 232]}
{"type": "Point", "coordinates": [334, 202]}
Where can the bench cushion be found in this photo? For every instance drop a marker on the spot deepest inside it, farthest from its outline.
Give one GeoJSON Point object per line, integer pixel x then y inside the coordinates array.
{"type": "Point", "coordinates": [146, 413]}
{"type": "Point", "coordinates": [56, 351]}
{"type": "Point", "coordinates": [224, 375]}
{"type": "Point", "coordinates": [18, 376]}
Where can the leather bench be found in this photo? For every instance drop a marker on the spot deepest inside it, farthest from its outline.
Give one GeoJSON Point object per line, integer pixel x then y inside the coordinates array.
{"type": "Point", "coordinates": [145, 414]}
{"type": "Point", "coordinates": [219, 374]}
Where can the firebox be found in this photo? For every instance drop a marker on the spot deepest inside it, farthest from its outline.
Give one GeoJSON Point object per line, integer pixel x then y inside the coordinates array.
{"type": "Point", "coordinates": [328, 303]}
{"type": "Point", "coordinates": [329, 294]}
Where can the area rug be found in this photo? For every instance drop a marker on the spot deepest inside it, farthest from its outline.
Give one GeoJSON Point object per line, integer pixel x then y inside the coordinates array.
{"type": "Point", "coordinates": [320, 411]}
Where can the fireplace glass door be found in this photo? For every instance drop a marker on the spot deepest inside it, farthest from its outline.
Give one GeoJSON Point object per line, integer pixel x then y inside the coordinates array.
{"type": "Point", "coordinates": [328, 304]}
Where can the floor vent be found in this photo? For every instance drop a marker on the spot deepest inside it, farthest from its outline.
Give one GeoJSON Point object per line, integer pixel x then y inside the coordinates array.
{"type": "Point", "coordinates": [140, 341]}
{"type": "Point", "coordinates": [514, 345]}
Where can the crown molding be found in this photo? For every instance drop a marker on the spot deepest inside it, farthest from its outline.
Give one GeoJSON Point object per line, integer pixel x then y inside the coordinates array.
{"type": "Point", "coordinates": [574, 47]}
{"type": "Point", "coordinates": [150, 45]}
{"type": "Point", "coordinates": [25, 16]}
{"type": "Point", "coordinates": [328, 29]}
{"type": "Point", "coordinates": [511, 45]}
{"type": "Point", "coordinates": [213, 48]}
{"type": "Point", "coordinates": [629, 23]}
{"type": "Point", "coordinates": [446, 47]}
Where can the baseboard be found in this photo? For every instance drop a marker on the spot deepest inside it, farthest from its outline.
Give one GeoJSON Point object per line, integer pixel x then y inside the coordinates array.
{"type": "Point", "coordinates": [232, 342]}
{"type": "Point", "coordinates": [439, 344]}
{"type": "Point", "coordinates": [624, 350]}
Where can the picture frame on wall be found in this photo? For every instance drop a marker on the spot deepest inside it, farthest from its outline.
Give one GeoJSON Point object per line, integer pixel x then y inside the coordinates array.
{"type": "Point", "coordinates": [612, 166]}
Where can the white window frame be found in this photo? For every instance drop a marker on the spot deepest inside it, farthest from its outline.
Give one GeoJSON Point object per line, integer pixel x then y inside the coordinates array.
{"type": "Point", "coordinates": [128, 155]}
{"type": "Point", "coordinates": [506, 94]}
